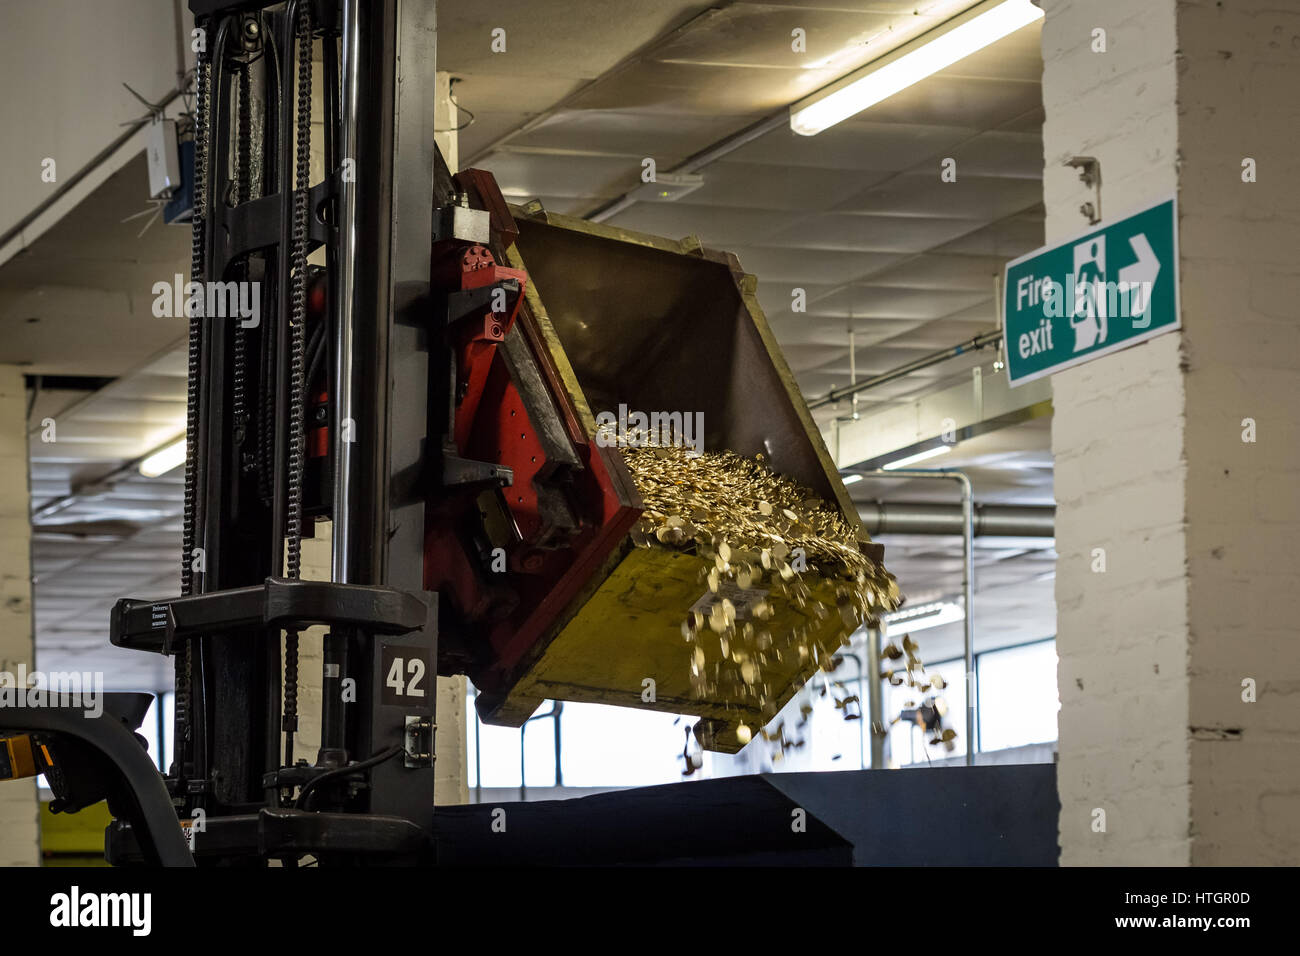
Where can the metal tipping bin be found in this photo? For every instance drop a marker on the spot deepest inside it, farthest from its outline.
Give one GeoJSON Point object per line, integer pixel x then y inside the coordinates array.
{"type": "Point", "coordinates": [618, 318]}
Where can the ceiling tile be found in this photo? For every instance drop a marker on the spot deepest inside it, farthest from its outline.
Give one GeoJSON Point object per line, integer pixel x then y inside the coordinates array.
{"type": "Point", "coordinates": [926, 194]}
{"type": "Point", "coordinates": [871, 233]}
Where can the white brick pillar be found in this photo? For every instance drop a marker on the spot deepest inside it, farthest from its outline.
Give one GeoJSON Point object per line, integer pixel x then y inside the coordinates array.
{"type": "Point", "coordinates": [446, 122]}
{"type": "Point", "coordinates": [1199, 528]}
{"type": "Point", "coordinates": [20, 836]}
{"type": "Point", "coordinates": [316, 558]}
{"type": "Point", "coordinates": [450, 780]}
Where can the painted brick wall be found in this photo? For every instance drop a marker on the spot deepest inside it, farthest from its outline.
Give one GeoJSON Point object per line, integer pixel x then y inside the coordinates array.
{"type": "Point", "coordinates": [1239, 73]}
{"type": "Point", "coordinates": [19, 820]}
{"type": "Point", "coordinates": [1201, 587]}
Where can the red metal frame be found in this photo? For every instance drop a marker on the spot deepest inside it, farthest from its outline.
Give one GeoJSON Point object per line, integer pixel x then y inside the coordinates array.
{"type": "Point", "coordinates": [508, 614]}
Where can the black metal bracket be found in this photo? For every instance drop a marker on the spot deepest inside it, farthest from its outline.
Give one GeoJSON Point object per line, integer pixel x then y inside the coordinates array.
{"type": "Point", "coordinates": [457, 225]}
{"type": "Point", "coordinates": [325, 11]}
{"type": "Point", "coordinates": [278, 602]}
{"type": "Point", "coordinates": [459, 472]}
{"type": "Point", "coordinates": [473, 303]}
{"type": "Point", "coordinates": [256, 224]}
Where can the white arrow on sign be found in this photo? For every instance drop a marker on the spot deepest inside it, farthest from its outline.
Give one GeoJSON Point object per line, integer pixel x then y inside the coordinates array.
{"type": "Point", "coordinates": [1139, 278]}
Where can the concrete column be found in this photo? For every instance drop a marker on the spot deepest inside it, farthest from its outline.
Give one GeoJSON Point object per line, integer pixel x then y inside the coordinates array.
{"type": "Point", "coordinates": [311, 649]}
{"type": "Point", "coordinates": [446, 119]}
{"type": "Point", "coordinates": [451, 779]}
{"type": "Point", "coordinates": [1177, 460]}
{"type": "Point", "coordinates": [20, 835]}
{"type": "Point", "coordinates": [451, 783]}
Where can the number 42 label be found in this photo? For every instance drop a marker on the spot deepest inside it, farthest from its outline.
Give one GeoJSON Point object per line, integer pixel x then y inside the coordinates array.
{"type": "Point", "coordinates": [407, 675]}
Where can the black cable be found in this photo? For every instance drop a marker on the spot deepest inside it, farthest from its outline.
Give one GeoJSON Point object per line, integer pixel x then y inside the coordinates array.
{"type": "Point", "coordinates": [198, 214]}
{"type": "Point", "coordinates": [298, 316]}
{"type": "Point", "coordinates": [451, 95]}
{"type": "Point", "coordinates": [244, 175]}
{"type": "Point", "coordinates": [265, 450]}
{"type": "Point", "coordinates": [183, 664]}
{"type": "Point", "coordinates": [369, 763]}
{"type": "Point", "coordinates": [266, 405]}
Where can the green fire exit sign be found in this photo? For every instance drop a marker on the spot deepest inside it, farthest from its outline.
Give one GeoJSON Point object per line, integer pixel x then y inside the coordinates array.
{"type": "Point", "coordinates": [1103, 290]}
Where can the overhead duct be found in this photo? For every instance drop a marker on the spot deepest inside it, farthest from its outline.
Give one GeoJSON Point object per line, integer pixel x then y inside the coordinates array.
{"type": "Point", "coordinates": [903, 517]}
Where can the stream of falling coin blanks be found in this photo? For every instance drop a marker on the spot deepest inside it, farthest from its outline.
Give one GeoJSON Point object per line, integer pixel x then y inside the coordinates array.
{"type": "Point", "coordinates": [769, 542]}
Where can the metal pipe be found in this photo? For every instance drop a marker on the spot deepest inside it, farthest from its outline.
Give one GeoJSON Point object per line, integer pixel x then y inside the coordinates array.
{"type": "Point", "coordinates": [729, 144]}
{"type": "Point", "coordinates": [478, 750]}
{"type": "Point", "coordinates": [554, 713]}
{"type": "Point", "coordinates": [875, 700]}
{"type": "Point", "coordinates": [968, 592]}
{"type": "Point", "coordinates": [862, 670]}
{"type": "Point", "coordinates": [983, 340]}
{"type": "Point", "coordinates": [906, 517]}
{"type": "Point", "coordinates": [559, 742]}
{"type": "Point", "coordinates": [853, 369]}
{"type": "Point", "coordinates": [967, 583]}
{"type": "Point", "coordinates": [343, 385]}
{"type": "Point", "coordinates": [335, 664]}
{"type": "Point", "coordinates": [697, 161]}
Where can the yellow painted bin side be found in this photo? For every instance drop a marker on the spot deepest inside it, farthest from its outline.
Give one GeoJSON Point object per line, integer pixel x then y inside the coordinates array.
{"type": "Point", "coordinates": [74, 839]}
{"type": "Point", "coordinates": [630, 630]}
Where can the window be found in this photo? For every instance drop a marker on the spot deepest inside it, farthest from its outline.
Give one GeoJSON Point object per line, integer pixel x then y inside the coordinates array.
{"type": "Point", "coordinates": [160, 748]}
{"type": "Point", "coordinates": [602, 746]}
{"type": "Point", "coordinates": [494, 753]}
{"type": "Point", "coordinates": [621, 747]}
{"type": "Point", "coordinates": [1018, 696]}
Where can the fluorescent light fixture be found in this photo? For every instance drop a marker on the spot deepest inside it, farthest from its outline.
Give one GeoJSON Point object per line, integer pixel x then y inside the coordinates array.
{"type": "Point", "coordinates": [943, 46]}
{"type": "Point", "coordinates": [922, 616]}
{"type": "Point", "coordinates": [164, 459]}
{"type": "Point", "coordinates": [906, 460]}
{"type": "Point", "coordinates": [850, 479]}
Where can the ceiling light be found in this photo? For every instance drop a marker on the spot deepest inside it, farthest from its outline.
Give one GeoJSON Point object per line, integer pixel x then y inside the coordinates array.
{"type": "Point", "coordinates": [850, 479]}
{"type": "Point", "coordinates": [164, 459]}
{"type": "Point", "coordinates": [922, 616]}
{"type": "Point", "coordinates": [906, 460]}
{"type": "Point", "coordinates": [943, 46]}
{"type": "Point", "coordinates": [668, 187]}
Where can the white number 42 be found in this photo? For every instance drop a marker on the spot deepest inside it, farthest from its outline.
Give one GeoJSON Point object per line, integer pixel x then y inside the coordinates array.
{"type": "Point", "coordinates": [397, 677]}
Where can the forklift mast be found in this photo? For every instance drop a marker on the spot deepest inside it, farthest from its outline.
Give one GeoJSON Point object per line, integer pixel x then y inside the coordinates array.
{"type": "Point", "coordinates": [317, 411]}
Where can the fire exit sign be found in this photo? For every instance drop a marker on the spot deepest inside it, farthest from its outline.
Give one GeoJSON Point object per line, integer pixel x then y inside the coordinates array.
{"type": "Point", "coordinates": [1103, 290]}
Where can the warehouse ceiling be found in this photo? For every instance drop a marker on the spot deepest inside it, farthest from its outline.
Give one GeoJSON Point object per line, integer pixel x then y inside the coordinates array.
{"type": "Point", "coordinates": [121, 538]}
{"type": "Point", "coordinates": [856, 216]}
{"type": "Point", "coordinates": [79, 300]}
